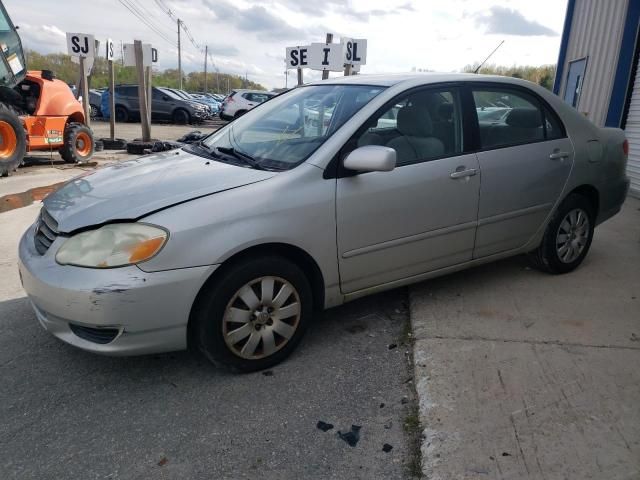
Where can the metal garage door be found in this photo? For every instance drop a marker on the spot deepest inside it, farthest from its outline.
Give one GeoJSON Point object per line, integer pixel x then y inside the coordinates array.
{"type": "Point", "coordinates": [633, 135]}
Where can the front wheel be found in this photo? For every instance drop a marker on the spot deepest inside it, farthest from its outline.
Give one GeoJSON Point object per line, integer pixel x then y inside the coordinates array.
{"type": "Point", "coordinates": [181, 117]}
{"type": "Point", "coordinates": [78, 144]}
{"type": "Point", "coordinates": [13, 141]}
{"type": "Point", "coordinates": [567, 238]}
{"type": "Point", "coordinates": [254, 315]}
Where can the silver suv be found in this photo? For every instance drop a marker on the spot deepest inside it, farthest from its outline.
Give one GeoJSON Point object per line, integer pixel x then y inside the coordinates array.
{"type": "Point", "coordinates": [239, 102]}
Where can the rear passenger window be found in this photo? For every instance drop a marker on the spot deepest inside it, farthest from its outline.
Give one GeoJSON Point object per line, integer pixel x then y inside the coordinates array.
{"type": "Point", "coordinates": [507, 117]}
{"type": "Point", "coordinates": [422, 126]}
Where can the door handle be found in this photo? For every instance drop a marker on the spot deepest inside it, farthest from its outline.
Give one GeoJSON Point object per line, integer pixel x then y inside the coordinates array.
{"type": "Point", "coordinates": [557, 155]}
{"type": "Point", "coordinates": [462, 172]}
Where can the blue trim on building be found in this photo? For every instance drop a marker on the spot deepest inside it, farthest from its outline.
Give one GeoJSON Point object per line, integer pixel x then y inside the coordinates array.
{"type": "Point", "coordinates": [624, 73]}
{"type": "Point", "coordinates": [566, 33]}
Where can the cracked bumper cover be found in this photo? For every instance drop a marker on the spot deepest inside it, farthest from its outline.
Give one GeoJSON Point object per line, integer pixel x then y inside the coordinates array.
{"type": "Point", "coordinates": [150, 310]}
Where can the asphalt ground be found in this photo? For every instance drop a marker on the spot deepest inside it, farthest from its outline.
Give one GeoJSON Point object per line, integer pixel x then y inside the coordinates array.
{"type": "Point", "coordinates": [75, 415]}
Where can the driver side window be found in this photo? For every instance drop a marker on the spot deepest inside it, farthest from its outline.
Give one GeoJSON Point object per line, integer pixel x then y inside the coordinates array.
{"type": "Point", "coordinates": [422, 126]}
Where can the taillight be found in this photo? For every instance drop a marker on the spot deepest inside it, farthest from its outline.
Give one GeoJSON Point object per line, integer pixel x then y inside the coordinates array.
{"type": "Point", "coordinates": [625, 147]}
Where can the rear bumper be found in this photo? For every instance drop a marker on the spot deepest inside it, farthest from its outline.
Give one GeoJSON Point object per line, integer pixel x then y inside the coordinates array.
{"type": "Point", "coordinates": [612, 196]}
{"type": "Point", "coordinates": [146, 312]}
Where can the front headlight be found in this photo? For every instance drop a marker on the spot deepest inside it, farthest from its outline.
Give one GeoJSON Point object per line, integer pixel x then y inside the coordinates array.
{"type": "Point", "coordinates": [114, 245]}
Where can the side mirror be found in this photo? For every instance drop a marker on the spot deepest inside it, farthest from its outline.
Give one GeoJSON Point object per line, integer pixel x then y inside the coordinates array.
{"type": "Point", "coordinates": [165, 98]}
{"type": "Point", "coordinates": [371, 158]}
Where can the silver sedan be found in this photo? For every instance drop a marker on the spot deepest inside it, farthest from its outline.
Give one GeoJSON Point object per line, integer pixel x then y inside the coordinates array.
{"type": "Point", "coordinates": [327, 193]}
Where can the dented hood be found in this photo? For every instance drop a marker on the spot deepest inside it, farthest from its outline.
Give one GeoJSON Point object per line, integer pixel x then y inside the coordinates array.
{"type": "Point", "coordinates": [133, 189]}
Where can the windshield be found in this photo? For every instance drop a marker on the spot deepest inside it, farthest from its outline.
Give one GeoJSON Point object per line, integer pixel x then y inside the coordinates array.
{"type": "Point", "coordinates": [169, 93]}
{"type": "Point", "coordinates": [286, 130]}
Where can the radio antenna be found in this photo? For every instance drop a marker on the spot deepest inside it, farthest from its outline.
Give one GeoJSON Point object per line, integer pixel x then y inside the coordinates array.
{"type": "Point", "coordinates": [490, 55]}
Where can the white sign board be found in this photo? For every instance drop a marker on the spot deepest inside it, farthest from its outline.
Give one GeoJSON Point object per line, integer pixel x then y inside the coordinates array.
{"type": "Point", "coordinates": [326, 56]}
{"type": "Point", "coordinates": [110, 52]}
{"type": "Point", "coordinates": [355, 51]}
{"type": "Point", "coordinates": [81, 45]}
{"type": "Point", "coordinates": [149, 55]}
{"type": "Point", "coordinates": [297, 57]}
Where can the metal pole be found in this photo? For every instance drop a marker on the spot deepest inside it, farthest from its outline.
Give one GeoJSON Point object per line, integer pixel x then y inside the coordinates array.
{"type": "Point", "coordinates": [85, 93]}
{"type": "Point", "coordinates": [206, 50]}
{"type": "Point", "coordinates": [325, 73]}
{"type": "Point", "coordinates": [179, 56]}
{"type": "Point", "coordinates": [112, 101]}
{"type": "Point", "coordinates": [347, 70]}
{"type": "Point", "coordinates": [300, 79]}
{"type": "Point", "coordinates": [142, 92]}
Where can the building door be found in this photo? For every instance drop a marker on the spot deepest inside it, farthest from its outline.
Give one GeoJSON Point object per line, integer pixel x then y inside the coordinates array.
{"type": "Point", "coordinates": [574, 82]}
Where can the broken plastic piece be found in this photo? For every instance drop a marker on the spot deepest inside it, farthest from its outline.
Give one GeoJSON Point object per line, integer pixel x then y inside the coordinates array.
{"type": "Point", "coordinates": [351, 437]}
{"type": "Point", "coordinates": [325, 427]}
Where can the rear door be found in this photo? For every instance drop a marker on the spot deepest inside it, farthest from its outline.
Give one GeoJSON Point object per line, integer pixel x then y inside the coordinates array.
{"type": "Point", "coordinates": [525, 159]}
{"type": "Point", "coordinates": [422, 215]}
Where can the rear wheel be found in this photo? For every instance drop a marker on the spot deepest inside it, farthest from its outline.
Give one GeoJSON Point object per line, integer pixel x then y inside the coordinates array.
{"type": "Point", "coordinates": [13, 141]}
{"type": "Point", "coordinates": [122, 114]}
{"type": "Point", "coordinates": [95, 111]}
{"type": "Point", "coordinates": [567, 238]}
{"type": "Point", "coordinates": [254, 315]}
{"type": "Point", "coordinates": [78, 144]}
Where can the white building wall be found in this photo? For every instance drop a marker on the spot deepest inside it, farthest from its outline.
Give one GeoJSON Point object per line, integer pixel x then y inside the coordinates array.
{"type": "Point", "coordinates": [596, 33]}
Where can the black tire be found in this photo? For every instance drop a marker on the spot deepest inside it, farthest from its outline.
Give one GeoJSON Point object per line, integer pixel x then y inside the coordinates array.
{"type": "Point", "coordinates": [212, 302]}
{"type": "Point", "coordinates": [139, 147]}
{"type": "Point", "coordinates": [94, 111]}
{"type": "Point", "coordinates": [181, 117]}
{"type": "Point", "coordinates": [115, 144]}
{"type": "Point", "coordinates": [122, 114]}
{"type": "Point", "coordinates": [546, 257]}
{"type": "Point", "coordinates": [98, 146]}
{"type": "Point", "coordinates": [239, 113]}
{"type": "Point", "coordinates": [78, 144]}
{"type": "Point", "coordinates": [12, 156]}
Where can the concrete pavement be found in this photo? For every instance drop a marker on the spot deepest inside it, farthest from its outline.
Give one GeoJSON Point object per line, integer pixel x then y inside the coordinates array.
{"type": "Point", "coordinates": [521, 374]}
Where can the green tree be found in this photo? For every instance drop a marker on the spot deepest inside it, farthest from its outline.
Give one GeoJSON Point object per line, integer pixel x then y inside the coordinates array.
{"type": "Point", "coordinates": [542, 75]}
{"type": "Point", "coordinates": [68, 71]}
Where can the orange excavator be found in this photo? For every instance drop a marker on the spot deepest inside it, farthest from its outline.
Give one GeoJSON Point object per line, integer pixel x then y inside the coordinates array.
{"type": "Point", "coordinates": [37, 111]}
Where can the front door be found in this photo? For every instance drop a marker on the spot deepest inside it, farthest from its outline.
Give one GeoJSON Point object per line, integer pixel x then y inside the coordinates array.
{"type": "Point", "coordinates": [422, 215]}
{"type": "Point", "coordinates": [525, 158]}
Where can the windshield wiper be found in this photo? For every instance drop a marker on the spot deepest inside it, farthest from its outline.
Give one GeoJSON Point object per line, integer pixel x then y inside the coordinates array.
{"type": "Point", "coordinates": [247, 159]}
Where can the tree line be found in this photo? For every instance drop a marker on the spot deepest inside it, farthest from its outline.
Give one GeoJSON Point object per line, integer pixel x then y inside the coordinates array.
{"type": "Point", "coordinates": [542, 75]}
{"type": "Point", "coordinates": [68, 71]}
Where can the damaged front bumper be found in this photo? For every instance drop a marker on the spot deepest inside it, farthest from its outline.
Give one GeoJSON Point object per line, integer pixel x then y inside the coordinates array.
{"type": "Point", "coordinates": [118, 311]}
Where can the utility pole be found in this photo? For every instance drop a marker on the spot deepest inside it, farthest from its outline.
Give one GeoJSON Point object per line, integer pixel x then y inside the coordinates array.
{"type": "Point", "coordinates": [179, 56]}
{"type": "Point", "coordinates": [206, 51]}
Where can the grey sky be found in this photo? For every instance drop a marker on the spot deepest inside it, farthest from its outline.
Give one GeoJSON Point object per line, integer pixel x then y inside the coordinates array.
{"type": "Point", "coordinates": [250, 36]}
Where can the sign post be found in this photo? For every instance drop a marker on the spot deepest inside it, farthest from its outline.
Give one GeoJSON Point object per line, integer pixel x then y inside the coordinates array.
{"type": "Point", "coordinates": [142, 91]}
{"type": "Point", "coordinates": [142, 56]}
{"type": "Point", "coordinates": [355, 54]}
{"type": "Point", "coordinates": [83, 46]}
{"type": "Point", "coordinates": [110, 54]}
{"type": "Point", "coordinates": [298, 58]}
{"type": "Point", "coordinates": [325, 73]}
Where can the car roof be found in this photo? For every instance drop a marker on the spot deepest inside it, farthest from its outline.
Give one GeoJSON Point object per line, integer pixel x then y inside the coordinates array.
{"type": "Point", "coordinates": [410, 79]}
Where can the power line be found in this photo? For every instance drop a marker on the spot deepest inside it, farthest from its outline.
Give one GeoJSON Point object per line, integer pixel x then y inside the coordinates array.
{"type": "Point", "coordinates": [163, 6]}
{"type": "Point", "coordinates": [129, 5]}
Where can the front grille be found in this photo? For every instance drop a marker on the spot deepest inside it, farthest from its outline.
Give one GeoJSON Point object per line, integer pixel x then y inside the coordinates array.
{"type": "Point", "coordinates": [95, 335]}
{"type": "Point", "coordinates": [46, 232]}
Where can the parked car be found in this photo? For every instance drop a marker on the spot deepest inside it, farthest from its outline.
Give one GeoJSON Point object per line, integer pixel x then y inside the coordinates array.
{"type": "Point", "coordinates": [229, 245]}
{"type": "Point", "coordinates": [214, 105]}
{"type": "Point", "coordinates": [240, 102]}
{"type": "Point", "coordinates": [166, 105]}
{"type": "Point", "coordinates": [95, 101]}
